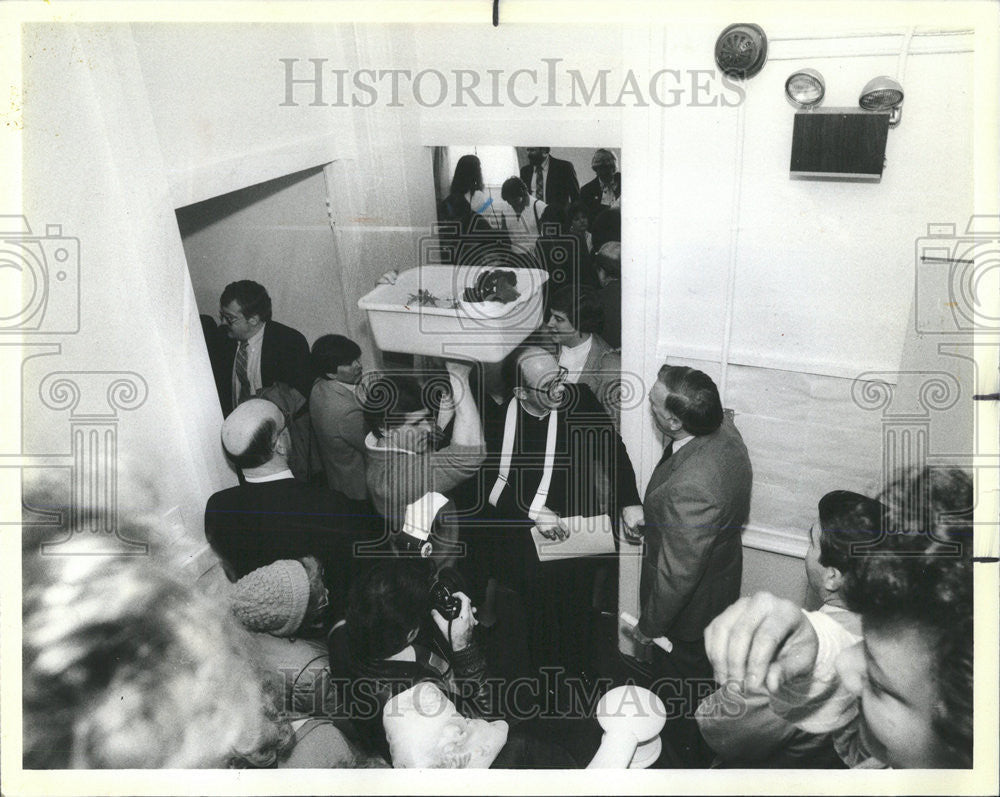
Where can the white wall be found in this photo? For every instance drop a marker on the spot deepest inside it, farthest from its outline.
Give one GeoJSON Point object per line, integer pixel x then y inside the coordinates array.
{"type": "Point", "coordinates": [92, 164]}
{"type": "Point", "coordinates": [278, 234]}
{"type": "Point", "coordinates": [785, 291]}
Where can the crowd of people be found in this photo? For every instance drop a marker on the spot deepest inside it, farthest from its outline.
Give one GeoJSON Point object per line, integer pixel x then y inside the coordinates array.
{"type": "Point", "coordinates": [421, 562]}
{"type": "Point", "coordinates": [543, 219]}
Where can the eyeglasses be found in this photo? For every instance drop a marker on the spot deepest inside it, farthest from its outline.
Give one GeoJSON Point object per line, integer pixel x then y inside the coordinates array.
{"type": "Point", "coordinates": [553, 384]}
{"type": "Point", "coordinates": [229, 318]}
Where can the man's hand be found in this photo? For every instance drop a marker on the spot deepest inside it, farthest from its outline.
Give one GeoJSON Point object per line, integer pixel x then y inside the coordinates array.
{"type": "Point", "coordinates": [461, 626]}
{"type": "Point", "coordinates": [633, 519]}
{"type": "Point", "coordinates": [764, 640]}
{"type": "Point", "coordinates": [637, 635]}
{"type": "Point", "coordinates": [550, 525]}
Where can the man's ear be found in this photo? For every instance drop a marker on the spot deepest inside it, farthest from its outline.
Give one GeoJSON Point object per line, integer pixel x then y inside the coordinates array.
{"type": "Point", "coordinates": [520, 393]}
{"type": "Point", "coordinates": [254, 320]}
{"type": "Point", "coordinates": [283, 444]}
{"type": "Point", "coordinates": [833, 579]}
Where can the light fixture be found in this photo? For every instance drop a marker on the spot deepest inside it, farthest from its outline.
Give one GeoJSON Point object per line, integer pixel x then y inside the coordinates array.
{"type": "Point", "coordinates": [805, 88]}
{"type": "Point", "coordinates": [883, 94]}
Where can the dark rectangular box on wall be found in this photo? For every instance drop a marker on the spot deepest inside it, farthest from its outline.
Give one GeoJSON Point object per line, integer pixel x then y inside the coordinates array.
{"type": "Point", "coordinates": [839, 144]}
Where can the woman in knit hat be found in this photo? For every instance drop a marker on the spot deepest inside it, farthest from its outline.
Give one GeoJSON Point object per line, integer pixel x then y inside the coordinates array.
{"type": "Point", "coordinates": [284, 606]}
{"type": "Point", "coordinates": [274, 599]}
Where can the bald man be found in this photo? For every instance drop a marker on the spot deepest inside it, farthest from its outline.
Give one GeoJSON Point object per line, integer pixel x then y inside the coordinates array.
{"type": "Point", "coordinates": [605, 190]}
{"type": "Point", "coordinates": [273, 516]}
{"type": "Point", "coordinates": [560, 428]}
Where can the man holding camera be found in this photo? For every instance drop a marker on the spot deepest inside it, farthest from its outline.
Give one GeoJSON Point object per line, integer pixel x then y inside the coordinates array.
{"type": "Point", "coordinates": [386, 645]}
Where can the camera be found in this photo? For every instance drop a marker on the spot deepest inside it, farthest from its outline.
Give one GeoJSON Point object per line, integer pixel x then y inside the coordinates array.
{"type": "Point", "coordinates": [443, 588]}
{"type": "Point", "coordinates": [950, 296]}
{"type": "Point", "coordinates": [49, 266]}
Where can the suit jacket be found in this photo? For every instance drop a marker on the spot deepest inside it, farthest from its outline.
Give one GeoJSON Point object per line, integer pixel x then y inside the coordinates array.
{"type": "Point", "coordinates": [339, 426]}
{"type": "Point", "coordinates": [697, 503]}
{"type": "Point", "coordinates": [257, 523]}
{"type": "Point", "coordinates": [610, 299]}
{"type": "Point", "coordinates": [602, 374]}
{"type": "Point", "coordinates": [284, 357]}
{"type": "Point", "coordinates": [561, 186]}
{"type": "Point", "coordinates": [590, 194]}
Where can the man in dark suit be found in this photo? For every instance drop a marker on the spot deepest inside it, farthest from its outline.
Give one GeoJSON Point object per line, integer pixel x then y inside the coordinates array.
{"type": "Point", "coordinates": [273, 516]}
{"type": "Point", "coordinates": [605, 190]}
{"type": "Point", "coordinates": [696, 504]}
{"type": "Point", "coordinates": [551, 180]}
{"type": "Point", "coordinates": [259, 351]}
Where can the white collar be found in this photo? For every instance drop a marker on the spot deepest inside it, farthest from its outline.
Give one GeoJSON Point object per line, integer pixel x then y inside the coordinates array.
{"type": "Point", "coordinates": [533, 415]}
{"type": "Point", "coordinates": [343, 387]}
{"type": "Point", "coordinates": [256, 337]}
{"type": "Point", "coordinates": [406, 654]}
{"type": "Point", "coordinates": [580, 347]}
{"type": "Point", "coordinates": [274, 477]}
{"type": "Point", "coordinates": [679, 444]}
{"type": "Point", "coordinates": [371, 443]}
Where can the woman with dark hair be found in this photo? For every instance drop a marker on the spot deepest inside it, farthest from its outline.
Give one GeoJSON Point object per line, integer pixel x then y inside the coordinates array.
{"type": "Point", "coordinates": [464, 230]}
{"type": "Point", "coordinates": [387, 647]}
{"type": "Point", "coordinates": [468, 178]}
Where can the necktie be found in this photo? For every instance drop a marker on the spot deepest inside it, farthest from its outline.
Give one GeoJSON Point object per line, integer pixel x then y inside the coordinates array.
{"type": "Point", "coordinates": [539, 183]}
{"type": "Point", "coordinates": [666, 453]}
{"type": "Point", "coordinates": [242, 359]}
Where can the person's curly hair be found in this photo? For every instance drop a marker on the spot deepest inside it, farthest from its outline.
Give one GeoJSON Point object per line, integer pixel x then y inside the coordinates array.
{"type": "Point", "coordinates": [126, 666]}
{"type": "Point", "coordinates": [126, 663]}
{"type": "Point", "coordinates": [920, 575]}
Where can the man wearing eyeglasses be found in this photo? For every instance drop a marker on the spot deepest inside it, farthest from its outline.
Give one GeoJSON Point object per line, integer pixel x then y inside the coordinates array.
{"type": "Point", "coordinates": [274, 516]}
{"type": "Point", "coordinates": [605, 190]}
{"type": "Point", "coordinates": [260, 351]}
{"type": "Point", "coordinates": [559, 457]}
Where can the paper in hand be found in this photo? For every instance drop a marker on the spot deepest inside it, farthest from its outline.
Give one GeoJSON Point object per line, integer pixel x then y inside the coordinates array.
{"type": "Point", "coordinates": [588, 536]}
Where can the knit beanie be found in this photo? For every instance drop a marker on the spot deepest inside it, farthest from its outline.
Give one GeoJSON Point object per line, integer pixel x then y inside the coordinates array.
{"type": "Point", "coordinates": [273, 599]}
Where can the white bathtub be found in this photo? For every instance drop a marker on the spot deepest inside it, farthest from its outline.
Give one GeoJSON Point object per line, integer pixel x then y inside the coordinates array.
{"type": "Point", "coordinates": [486, 331]}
